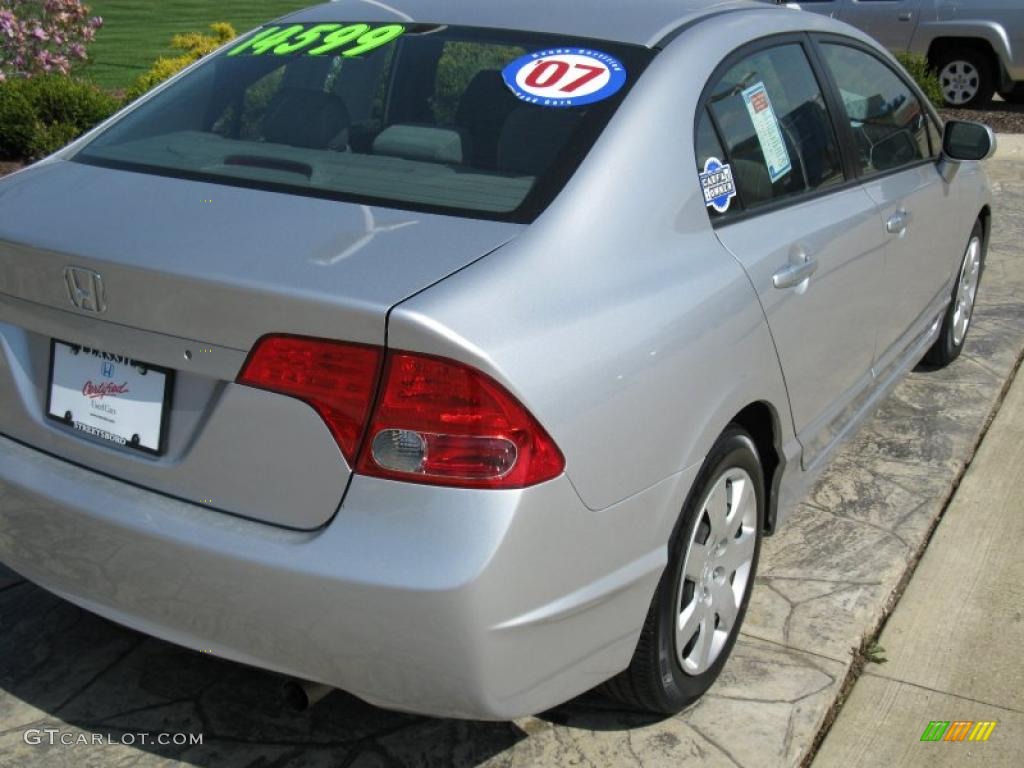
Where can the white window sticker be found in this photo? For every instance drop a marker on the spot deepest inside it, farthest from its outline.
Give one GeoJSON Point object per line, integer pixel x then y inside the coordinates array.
{"type": "Point", "coordinates": [769, 133]}
{"type": "Point", "coordinates": [719, 188]}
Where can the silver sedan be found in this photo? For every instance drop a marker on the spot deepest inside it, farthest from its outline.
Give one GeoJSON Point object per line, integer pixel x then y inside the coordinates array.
{"type": "Point", "coordinates": [460, 355]}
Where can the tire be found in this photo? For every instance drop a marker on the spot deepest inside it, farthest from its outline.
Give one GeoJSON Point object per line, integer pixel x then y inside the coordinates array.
{"type": "Point", "coordinates": [957, 320]}
{"type": "Point", "coordinates": [1016, 96]}
{"type": "Point", "coordinates": [966, 77]}
{"type": "Point", "coordinates": [659, 679]}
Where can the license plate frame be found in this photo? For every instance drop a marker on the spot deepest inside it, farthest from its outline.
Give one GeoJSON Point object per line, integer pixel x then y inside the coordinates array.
{"type": "Point", "coordinates": [135, 442]}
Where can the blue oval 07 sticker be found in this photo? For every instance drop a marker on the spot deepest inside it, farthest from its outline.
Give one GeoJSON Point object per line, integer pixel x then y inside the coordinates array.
{"type": "Point", "coordinates": [565, 77]}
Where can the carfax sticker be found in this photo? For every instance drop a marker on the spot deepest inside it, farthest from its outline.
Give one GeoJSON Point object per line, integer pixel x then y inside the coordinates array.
{"type": "Point", "coordinates": [716, 181]}
{"type": "Point", "coordinates": [769, 132]}
{"type": "Point", "coordinates": [565, 77]}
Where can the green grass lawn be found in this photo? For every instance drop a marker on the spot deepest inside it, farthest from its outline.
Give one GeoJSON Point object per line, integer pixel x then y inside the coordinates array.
{"type": "Point", "coordinates": [136, 32]}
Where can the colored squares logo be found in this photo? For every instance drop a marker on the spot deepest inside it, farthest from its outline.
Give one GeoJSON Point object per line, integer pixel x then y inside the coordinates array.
{"type": "Point", "coordinates": [958, 730]}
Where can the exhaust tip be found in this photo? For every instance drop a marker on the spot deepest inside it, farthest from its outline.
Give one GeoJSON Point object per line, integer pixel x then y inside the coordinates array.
{"type": "Point", "coordinates": [303, 695]}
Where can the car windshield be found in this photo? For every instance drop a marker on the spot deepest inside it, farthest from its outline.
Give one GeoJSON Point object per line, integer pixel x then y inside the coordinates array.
{"type": "Point", "coordinates": [467, 121]}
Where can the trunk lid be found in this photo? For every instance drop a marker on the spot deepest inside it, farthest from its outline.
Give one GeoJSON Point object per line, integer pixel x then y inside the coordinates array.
{"type": "Point", "coordinates": [193, 274]}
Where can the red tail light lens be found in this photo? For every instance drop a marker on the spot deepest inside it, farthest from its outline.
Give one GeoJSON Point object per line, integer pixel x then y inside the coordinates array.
{"type": "Point", "coordinates": [338, 380]}
{"type": "Point", "coordinates": [443, 423]}
{"type": "Point", "coordinates": [436, 421]}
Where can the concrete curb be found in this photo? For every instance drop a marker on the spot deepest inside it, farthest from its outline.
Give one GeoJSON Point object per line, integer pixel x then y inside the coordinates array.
{"type": "Point", "coordinates": [954, 641]}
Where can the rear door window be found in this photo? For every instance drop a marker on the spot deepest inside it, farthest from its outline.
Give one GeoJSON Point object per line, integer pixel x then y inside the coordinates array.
{"type": "Point", "coordinates": [770, 112]}
{"type": "Point", "coordinates": [889, 123]}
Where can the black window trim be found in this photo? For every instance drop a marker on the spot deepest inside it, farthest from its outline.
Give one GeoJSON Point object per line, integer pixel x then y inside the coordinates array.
{"type": "Point", "coordinates": [751, 47]}
{"type": "Point", "coordinates": [724, 145]}
{"type": "Point", "coordinates": [811, 42]}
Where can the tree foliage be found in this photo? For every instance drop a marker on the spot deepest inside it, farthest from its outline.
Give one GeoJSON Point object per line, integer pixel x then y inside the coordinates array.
{"type": "Point", "coordinates": [40, 37]}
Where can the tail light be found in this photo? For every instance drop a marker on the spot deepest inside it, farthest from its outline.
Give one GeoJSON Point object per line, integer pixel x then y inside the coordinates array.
{"type": "Point", "coordinates": [435, 421]}
{"type": "Point", "coordinates": [338, 380]}
{"type": "Point", "coordinates": [441, 422]}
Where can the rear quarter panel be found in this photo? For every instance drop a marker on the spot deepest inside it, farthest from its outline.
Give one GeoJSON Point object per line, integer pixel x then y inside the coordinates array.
{"type": "Point", "coordinates": [617, 317]}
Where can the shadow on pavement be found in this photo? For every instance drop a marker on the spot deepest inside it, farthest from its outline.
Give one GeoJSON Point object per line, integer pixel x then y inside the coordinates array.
{"type": "Point", "coordinates": [62, 667]}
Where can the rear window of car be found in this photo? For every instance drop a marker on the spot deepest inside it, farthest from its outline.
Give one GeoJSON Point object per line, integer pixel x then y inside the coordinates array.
{"type": "Point", "coordinates": [422, 117]}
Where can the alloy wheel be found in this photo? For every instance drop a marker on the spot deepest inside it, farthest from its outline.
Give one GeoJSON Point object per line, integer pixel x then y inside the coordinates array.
{"type": "Point", "coordinates": [966, 290]}
{"type": "Point", "coordinates": [716, 570]}
{"type": "Point", "coordinates": [960, 81]}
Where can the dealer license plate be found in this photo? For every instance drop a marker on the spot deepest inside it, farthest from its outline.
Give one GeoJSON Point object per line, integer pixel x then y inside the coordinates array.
{"type": "Point", "coordinates": [109, 396]}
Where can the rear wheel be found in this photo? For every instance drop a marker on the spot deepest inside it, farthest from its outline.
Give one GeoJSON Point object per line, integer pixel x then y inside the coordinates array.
{"type": "Point", "coordinates": [966, 77]}
{"type": "Point", "coordinates": [957, 319]}
{"type": "Point", "coordinates": [697, 611]}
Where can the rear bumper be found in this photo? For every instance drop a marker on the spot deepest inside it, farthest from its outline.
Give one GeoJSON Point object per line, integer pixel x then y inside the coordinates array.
{"type": "Point", "coordinates": [475, 604]}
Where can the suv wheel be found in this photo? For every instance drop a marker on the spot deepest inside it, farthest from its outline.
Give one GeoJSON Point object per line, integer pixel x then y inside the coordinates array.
{"type": "Point", "coordinates": [966, 77]}
{"type": "Point", "coordinates": [697, 610]}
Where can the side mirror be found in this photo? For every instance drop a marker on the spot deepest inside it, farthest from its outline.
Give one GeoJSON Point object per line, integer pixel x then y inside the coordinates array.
{"type": "Point", "coordinates": [962, 140]}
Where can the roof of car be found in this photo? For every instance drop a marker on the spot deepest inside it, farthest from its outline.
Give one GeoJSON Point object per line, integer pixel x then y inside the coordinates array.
{"type": "Point", "coordinates": [641, 22]}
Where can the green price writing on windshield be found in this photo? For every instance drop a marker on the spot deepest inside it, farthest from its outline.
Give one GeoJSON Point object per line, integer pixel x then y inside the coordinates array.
{"type": "Point", "coordinates": [319, 39]}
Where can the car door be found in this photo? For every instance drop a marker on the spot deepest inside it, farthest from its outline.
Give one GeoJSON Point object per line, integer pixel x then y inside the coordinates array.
{"type": "Point", "coordinates": [890, 22]}
{"type": "Point", "coordinates": [897, 145]}
{"type": "Point", "coordinates": [807, 236]}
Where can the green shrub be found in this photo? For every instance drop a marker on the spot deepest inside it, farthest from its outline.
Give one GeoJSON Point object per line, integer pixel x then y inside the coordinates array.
{"type": "Point", "coordinates": [39, 115]}
{"type": "Point", "coordinates": [457, 67]}
{"type": "Point", "coordinates": [194, 45]}
{"type": "Point", "coordinates": [927, 78]}
{"type": "Point", "coordinates": [49, 137]}
{"type": "Point", "coordinates": [61, 99]}
{"type": "Point", "coordinates": [17, 121]}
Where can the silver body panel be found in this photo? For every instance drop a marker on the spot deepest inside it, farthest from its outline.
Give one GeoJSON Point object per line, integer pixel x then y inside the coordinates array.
{"type": "Point", "coordinates": [915, 25]}
{"type": "Point", "coordinates": [631, 329]}
{"type": "Point", "coordinates": [406, 599]}
{"type": "Point", "coordinates": [209, 279]}
{"type": "Point", "coordinates": [828, 360]}
{"type": "Point", "coordinates": [892, 22]}
{"type": "Point", "coordinates": [183, 266]}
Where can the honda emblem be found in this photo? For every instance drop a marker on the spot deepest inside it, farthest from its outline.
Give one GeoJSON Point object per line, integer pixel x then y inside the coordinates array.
{"type": "Point", "coordinates": [85, 289]}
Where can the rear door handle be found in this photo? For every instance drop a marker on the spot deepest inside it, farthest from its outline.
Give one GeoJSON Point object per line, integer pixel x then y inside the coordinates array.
{"type": "Point", "coordinates": [906, 16]}
{"type": "Point", "coordinates": [792, 275]}
{"type": "Point", "coordinates": [897, 223]}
